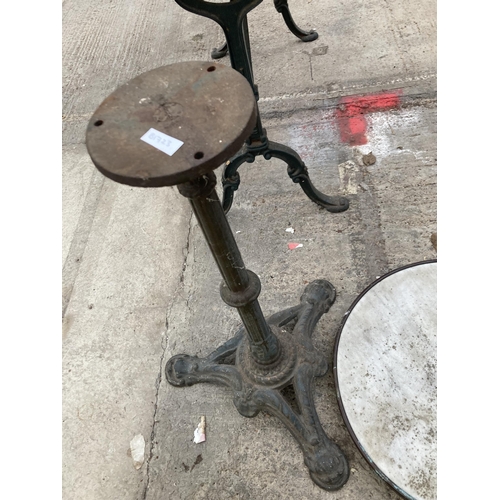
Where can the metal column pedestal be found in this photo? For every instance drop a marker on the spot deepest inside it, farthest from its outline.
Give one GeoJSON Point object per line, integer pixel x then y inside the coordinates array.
{"type": "Point", "coordinates": [210, 109]}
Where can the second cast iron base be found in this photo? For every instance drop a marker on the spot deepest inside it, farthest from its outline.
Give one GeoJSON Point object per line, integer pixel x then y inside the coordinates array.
{"type": "Point", "coordinates": [259, 387]}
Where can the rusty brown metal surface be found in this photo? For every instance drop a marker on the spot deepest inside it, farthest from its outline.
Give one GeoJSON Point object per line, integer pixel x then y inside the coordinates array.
{"type": "Point", "coordinates": [209, 107]}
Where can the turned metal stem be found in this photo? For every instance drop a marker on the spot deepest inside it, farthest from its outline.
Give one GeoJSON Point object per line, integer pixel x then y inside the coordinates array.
{"type": "Point", "coordinates": [241, 287]}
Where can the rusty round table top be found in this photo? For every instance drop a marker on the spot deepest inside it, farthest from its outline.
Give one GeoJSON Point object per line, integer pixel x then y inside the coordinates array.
{"type": "Point", "coordinates": [172, 124]}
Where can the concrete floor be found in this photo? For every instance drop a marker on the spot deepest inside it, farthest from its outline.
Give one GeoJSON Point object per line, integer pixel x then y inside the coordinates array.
{"type": "Point", "coordinates": [140, 285]}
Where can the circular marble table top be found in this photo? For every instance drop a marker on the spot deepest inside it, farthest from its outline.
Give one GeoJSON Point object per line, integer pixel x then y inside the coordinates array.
{"type": "Point", "coordinates": [385, 374]}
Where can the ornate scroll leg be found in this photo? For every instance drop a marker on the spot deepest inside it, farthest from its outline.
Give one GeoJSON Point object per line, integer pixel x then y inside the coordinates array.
{"type": "Point", "coordinates": [316, 300]}
{"type": "Point", "coordinates": [184, 370]}
{"type": "Point", "coordinates": [231, 178]}
{"type": "Point", "coordinates": [219, 52]}
{"type": "Point", "coordinates": [306, 36]}
{"type": "Point", "coordinates": [327, 465]}
{"type": "Point", "coordinates": [299, 174]}
{"type": "Point", "coordinates": [296, 170]}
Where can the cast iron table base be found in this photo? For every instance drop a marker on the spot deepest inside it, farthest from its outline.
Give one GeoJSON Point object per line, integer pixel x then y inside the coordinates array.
{"type": "Point", "coordinates": [210, 108]}
{"type": "Point", "coordinates": [232, 17]}
{"type": "Point", "coordinates": [257, 387]}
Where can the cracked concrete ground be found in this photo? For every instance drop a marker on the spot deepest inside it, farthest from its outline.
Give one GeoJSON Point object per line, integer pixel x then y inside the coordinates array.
{"type": "Point", "coordinates": [140, 285]}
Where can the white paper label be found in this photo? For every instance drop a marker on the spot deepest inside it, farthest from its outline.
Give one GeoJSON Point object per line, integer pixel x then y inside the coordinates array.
{"type": "Point", "coordinates": [161, 141]}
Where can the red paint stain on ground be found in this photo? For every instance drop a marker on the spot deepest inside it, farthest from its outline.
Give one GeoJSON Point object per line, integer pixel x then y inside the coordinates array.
{"type": "Point", "coordinates": [350, 114]}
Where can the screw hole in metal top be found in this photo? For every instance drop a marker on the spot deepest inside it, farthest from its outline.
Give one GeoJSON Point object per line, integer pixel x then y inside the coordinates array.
{"type": "Point", "coordinates": [211, 68]}
{"type": "Point", "coordinates": [199, 155]}
{"type": "Point", "coordinates": [98, 123]}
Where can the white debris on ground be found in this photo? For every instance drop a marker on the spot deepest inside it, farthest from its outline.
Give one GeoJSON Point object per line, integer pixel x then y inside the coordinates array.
{"type": "Point", "coordinates": [137, 447]}
{"type": "Point", "coordinates": [199, 432]}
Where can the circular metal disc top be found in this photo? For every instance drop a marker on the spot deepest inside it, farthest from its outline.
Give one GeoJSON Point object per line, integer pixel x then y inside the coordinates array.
{"type": "Point", "coordinates": [385, 373]}
{"type": "Point", "coordinates": [133, 135]}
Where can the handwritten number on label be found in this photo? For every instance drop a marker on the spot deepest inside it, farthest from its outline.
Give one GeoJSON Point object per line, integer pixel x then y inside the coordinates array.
{"type": "Point", "coordinates": [161, 141]}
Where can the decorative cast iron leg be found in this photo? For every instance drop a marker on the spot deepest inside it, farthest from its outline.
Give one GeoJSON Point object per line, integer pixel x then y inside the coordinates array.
{"type": "Point", "coordinates": [297, 171]}
{"type": "Point", "coordinates": [231, 177]}
{"type": "Point", "coordinates": [299, 174]}
{"type": "Point", "coordinates": [306, 36]}
{"type": "Point", "coordinates": [256, 389]}
{"type": "Point", "coordinates": [184, 370]}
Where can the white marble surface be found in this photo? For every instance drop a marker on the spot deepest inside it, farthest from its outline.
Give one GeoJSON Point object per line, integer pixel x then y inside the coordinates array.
{"type": "Point", "coordinates": [386, 369]}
